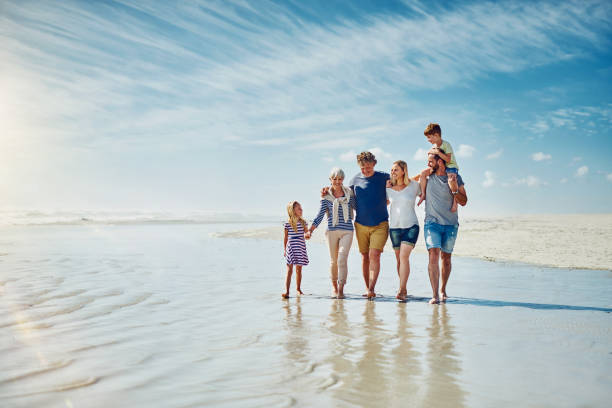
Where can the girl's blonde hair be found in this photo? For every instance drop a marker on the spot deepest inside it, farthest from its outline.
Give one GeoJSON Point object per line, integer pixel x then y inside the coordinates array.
{"type": "Point", "coordinates": [294, 219]}
{"type": "Point", "coordinates": [404, 167]}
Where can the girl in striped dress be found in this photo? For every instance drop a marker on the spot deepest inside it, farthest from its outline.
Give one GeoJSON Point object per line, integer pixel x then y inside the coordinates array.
{"type": "Point", "coordinates": [338, 204]}
{"type": "Point", "coordinates": [295, 245]}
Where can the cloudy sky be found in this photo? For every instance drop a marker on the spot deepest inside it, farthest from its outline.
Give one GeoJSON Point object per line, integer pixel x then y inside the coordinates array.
{"type": "Point", "coordinates": [245, 105]}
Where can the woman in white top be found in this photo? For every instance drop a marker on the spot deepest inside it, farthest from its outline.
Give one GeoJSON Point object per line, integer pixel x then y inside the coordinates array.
{"type": "Point", "coordinates": [403, 222]}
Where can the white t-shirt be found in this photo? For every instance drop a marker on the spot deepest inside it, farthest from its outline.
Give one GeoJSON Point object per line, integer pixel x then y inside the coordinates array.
{"type": "Point", "coordinates": [401, 209]}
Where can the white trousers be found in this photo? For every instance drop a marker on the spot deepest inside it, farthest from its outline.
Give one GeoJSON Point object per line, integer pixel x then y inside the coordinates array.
{"type": "Point", "coordinates": [339, 242]}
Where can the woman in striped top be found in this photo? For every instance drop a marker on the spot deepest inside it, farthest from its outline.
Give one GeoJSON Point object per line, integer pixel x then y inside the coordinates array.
{"type": "Point", "coordinates": [338, 204]}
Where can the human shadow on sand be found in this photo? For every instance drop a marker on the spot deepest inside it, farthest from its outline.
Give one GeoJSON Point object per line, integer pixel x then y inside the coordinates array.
{"type": "Point", "coordinates": [537, 306]}
{"type": "Point", "coordinates": [478, 302]}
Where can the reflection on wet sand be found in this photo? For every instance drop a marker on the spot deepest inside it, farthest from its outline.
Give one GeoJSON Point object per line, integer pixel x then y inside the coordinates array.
{"type": "Point", "coordinates": [444, 364]}
{"type": "Point", "coordinates": [363, 378]}
{"type": "Point", "coordinates": [406, 372]}
{"type": "Point", "coordinates": [296, 344]}
{"type": "Point", "coordinates": [340, 343]}
{"type": "Point", "coordinates": [372, 383]}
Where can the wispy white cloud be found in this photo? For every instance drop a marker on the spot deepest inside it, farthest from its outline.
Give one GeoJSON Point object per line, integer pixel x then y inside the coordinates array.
{"type": "Point", "coordinates": [380, 153]}
{"type": "Point", "coordinates": [420, 154]}
{"type": "Point", "coordinates": [465, 151]}
{"type": "Point", "coordinates": [582, 171]}
{"type": "Point", "coordinates": [580, 118]}
{"type": "Point", "coordinates": [348, 156]}
{"type": "Point", "coordinates": [489, 180]}
{"type": "Point", "coordinates": [495, 155]}
{"type": "Point", "coordinates": [563, 180]}
{"type": "Point", "coordinates": [539, 156]}
{"type": "Point", "coordinates": [530, 181]}
{"type": "Point", "coordinates": [609, 177]}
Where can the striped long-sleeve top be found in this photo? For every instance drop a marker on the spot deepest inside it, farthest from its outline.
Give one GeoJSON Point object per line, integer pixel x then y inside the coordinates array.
{"type": "Point", "coordinates": [327, 208]}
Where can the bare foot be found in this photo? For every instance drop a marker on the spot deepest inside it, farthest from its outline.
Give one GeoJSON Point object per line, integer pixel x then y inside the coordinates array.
{"type": "Point", "coordinates": [285, 295]}
{"type": "Point", "coordinates": [443, 296]}
{"type": "Point", "coordinates": [334, 294]}
{"type": "Point", "coordinates": [371, 294]}
{"type": "Point", "coordinates": [340, 295]}
{"type": "Point", "coordinates": [299, 291]}
{"type": "Point", "coordinates": [434, 301]}
{"type": "Point", "coordinates": [401, 297]}
{"type": "Point", "coordinates": [365, 294]}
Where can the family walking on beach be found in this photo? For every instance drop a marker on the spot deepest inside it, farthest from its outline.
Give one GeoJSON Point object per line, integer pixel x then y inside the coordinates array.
{"type": "Point", "coordinates": [368, 195]}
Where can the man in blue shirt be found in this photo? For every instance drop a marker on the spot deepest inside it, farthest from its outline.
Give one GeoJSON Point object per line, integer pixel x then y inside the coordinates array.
{"type": "Point", "coordinates": [372, 219]}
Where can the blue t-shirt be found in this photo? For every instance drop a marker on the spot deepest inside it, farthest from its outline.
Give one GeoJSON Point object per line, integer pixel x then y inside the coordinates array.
{"type": "Point", "coordinates": [371, 198]}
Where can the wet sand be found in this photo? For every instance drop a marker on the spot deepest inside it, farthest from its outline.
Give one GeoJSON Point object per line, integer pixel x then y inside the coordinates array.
{"type": "Point", "coordinates": [172, 316]}
{"type": "Point", "coordinates": [580, 241]}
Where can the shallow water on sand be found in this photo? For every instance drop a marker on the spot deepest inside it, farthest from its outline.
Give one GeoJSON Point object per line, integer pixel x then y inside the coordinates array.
{"type": "Point", "coordinates": [171, 316]}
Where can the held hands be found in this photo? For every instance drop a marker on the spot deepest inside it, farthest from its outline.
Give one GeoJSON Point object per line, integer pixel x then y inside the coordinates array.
{"type": "Point", "coordinates": [307, 235]}
{"type": "Point", "coordinates": [421, 199]}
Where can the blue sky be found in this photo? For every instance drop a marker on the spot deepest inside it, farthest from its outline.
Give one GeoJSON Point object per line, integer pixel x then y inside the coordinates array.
{"type": "Point", "coordinates": [246, 105]}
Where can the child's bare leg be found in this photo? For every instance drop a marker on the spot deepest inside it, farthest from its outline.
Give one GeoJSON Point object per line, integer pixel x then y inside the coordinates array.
{"type": "Point", "coordinates": [288, 281]}
{"type": "Point", "coordinates": [335, 285]}
{"type": "Point", "coordinates": [452, 184]}
{"type": "Point", "coordinates": [298, 278]}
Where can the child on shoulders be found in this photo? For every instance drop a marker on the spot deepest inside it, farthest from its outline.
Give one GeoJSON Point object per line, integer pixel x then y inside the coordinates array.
{"type": "Point", "coordinates": [442, 148]}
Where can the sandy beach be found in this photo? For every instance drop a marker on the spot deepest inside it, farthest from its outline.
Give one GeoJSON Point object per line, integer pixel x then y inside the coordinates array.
{"type": "Point", "coordinates": [171, 315]}
{"type": "Point", "coordinates": [578, 241]}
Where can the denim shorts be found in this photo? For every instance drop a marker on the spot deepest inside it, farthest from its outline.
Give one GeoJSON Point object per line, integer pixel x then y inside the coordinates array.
{"type": "Point", "coordinates": [440, 236]}
{"type": "Point", "coordinates": [401, 236]}
{"type": "Point", "coordinates": [452, 170]}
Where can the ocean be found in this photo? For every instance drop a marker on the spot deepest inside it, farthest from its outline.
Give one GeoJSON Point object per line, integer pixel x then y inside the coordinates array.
{"type": "Point", "coordinates": [165, 313]}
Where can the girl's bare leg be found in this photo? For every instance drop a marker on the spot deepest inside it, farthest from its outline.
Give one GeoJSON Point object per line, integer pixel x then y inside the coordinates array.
{"type": "Point", "coordinates": [298, 278]}
{"type": "Point", "coordinates": [288, 281]}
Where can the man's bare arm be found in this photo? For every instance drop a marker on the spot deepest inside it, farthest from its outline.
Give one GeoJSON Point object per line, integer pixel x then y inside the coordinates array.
{"type": "Point", "coordinates": [461, 196]}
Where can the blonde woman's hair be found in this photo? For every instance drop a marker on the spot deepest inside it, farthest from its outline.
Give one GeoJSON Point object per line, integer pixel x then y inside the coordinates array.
{"type": "Point", "coordinates": [294, 219]}
{"type": "Point", "coordinates": [404, 167]}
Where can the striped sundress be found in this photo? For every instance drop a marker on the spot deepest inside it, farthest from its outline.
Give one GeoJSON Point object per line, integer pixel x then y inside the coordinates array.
{"type": "Point", "coordinates": [296, 245]}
